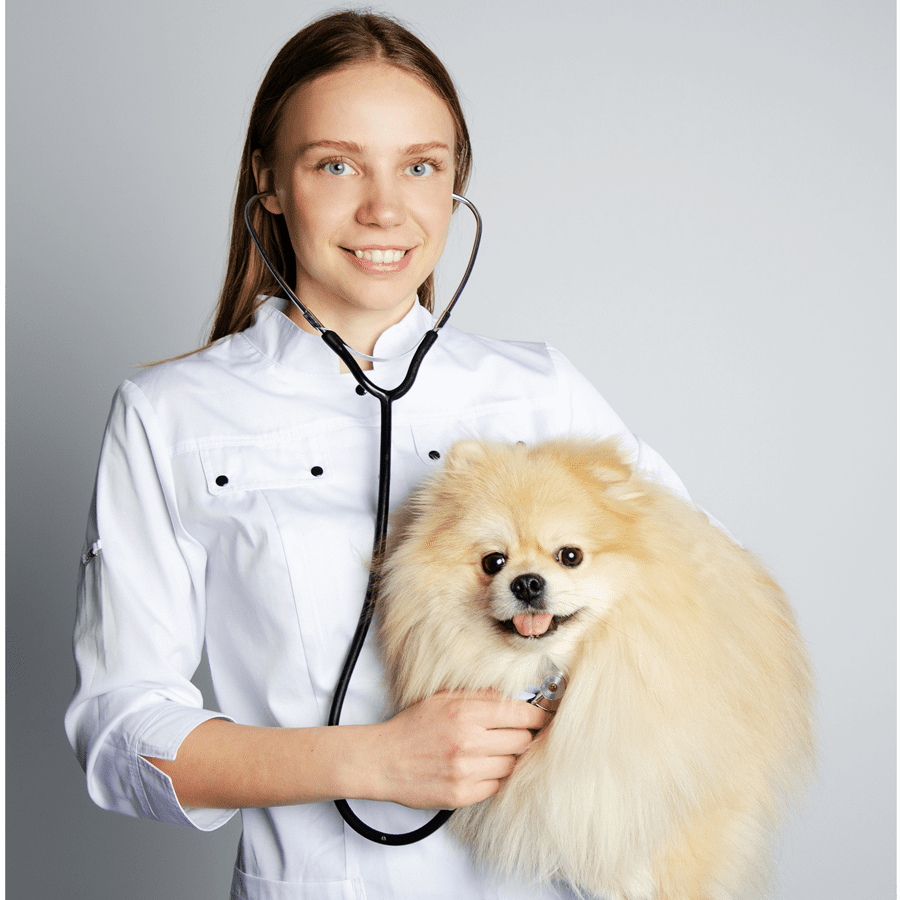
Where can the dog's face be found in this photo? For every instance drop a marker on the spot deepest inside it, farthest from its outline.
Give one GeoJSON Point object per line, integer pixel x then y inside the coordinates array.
{"type": "Point", "coordinates": [541, 570]}
{"type": "Point", "coordinates": [527, 541]}
{"type": "Point", "coordinates": [531, 588]}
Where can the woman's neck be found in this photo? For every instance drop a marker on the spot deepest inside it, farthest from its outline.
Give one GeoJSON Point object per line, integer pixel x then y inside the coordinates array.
{"type": "Point", "coordinates": [359, 330]}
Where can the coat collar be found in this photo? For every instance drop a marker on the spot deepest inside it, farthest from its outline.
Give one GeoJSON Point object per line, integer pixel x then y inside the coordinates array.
{"type": "Point", "coordinates": [275, 336]}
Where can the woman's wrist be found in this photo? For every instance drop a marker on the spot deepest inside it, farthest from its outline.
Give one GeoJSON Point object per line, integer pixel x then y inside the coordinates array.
{"type": "Point", "coordinates": [343, 762]}
{"type": "Point", "coordinates": [371, 762]}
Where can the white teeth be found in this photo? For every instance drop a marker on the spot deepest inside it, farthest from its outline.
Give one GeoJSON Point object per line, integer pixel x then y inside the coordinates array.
{"type": "Point", "coordinates": [380, 256]}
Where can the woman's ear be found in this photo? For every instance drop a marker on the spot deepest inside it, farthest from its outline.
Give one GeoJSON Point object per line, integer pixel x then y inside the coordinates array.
{"type": "Point", "coordinates": [265, 183]}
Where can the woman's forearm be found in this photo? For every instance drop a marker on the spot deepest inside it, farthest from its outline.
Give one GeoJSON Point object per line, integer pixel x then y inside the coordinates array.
{"type": "Point", "coordinates": [222, 765]}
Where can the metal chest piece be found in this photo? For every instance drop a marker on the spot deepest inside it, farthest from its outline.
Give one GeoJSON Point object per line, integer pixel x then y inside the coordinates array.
{"type": "Point", "coordinates": [552, 688]}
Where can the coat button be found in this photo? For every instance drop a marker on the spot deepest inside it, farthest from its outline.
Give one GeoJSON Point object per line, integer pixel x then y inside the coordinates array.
{"type": "Point", "coordinates": [222, 480]}
{"type": "Point", "coordinates": [360, 390]}
{"type": "Point", "coordinates": [434, 455]}
{"type": "Point", "coordinates": [317, 471]}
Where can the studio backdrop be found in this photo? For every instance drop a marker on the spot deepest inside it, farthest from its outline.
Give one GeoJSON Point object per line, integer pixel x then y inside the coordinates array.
{"type": "Point", "coordinates": [693, 201]}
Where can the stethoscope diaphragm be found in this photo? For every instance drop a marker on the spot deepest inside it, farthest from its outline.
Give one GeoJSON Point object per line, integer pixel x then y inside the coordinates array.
{"type": "Point", "coordinates": [552, 688]}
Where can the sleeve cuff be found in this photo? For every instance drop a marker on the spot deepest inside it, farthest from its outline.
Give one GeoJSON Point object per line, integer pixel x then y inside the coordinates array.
{"type": "Point", "coordinates": [121, 780]}
{"type": "Point", "coordinates": [160, 737]}
{"type": "Point", "coordinates": [162, 802]}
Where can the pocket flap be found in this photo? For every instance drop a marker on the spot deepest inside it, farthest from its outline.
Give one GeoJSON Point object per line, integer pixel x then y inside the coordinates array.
{"type": "Point", "coordinates": [252, 467]}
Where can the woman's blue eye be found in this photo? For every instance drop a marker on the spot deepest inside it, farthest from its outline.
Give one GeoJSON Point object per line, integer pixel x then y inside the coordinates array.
{"type": "Point", "coordinates": [420, 169]}
{"type": "Point", "coordinates": [337, 168]}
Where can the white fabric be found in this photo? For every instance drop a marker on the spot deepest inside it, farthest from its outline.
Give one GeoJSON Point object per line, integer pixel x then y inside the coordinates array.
{"type": "Point", "coordinates": [209, 524]}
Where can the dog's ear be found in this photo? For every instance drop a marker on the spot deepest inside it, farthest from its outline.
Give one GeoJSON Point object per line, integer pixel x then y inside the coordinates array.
{"type": "Point", "coordinates": [624, 490]}
{"type": "Point", "coordinates": [609, 471]}
{"type": "Point", "coordinates": [618, 484]}
{"type": "Point", "coordinates": [615, 475]}
{"type": "Point", "coordinates": [605, 462]}
{"type": "Point", "coordinates": [466, 453]}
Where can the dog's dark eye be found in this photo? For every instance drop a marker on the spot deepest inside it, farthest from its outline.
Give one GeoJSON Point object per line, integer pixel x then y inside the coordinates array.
{"type": "Point", "coordinates": [570, 557]}
{"type": "Point", "coordinates": [493, 563]}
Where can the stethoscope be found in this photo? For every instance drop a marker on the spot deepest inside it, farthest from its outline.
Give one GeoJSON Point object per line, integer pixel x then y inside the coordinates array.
{"type": "Point", "coordinates": [385, 398]}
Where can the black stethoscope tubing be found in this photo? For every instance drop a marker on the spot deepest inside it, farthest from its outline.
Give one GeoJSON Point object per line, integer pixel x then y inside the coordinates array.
{"type": "Point", "coordinates": [385, 398]}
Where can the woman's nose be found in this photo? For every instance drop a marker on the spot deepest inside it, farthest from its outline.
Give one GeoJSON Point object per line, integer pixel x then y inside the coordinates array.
{"type": "Point", "coordinates": [382, 204]}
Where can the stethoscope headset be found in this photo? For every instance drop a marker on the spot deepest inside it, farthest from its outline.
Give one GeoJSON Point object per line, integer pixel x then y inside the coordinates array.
{"type": "Point", "coordinates": [385, 398]}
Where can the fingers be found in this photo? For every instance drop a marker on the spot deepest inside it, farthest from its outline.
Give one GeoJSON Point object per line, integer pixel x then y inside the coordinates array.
{"type": "Point", "coordinates": [475, 778]}
{"type": "Point", "coordinates": [491, 710]}
{"type": "Point", "coordinates": [511, 742]}
{"type": "Point", "coordinates": [519, 714]}
{"type": "Point", "coordinates": [479, 745]}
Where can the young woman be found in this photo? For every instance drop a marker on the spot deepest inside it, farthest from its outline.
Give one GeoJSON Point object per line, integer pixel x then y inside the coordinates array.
{"type": "Point", "coordinates": [235, 497]}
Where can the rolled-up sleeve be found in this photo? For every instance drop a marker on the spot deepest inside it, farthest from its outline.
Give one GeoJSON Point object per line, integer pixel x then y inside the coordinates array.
{"type": "Point", "coordinates": [139, 626]}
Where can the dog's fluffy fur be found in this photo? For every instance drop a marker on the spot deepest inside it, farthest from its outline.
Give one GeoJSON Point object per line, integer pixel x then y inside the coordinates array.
{"type": "Point", "coordinates": [686, 724]}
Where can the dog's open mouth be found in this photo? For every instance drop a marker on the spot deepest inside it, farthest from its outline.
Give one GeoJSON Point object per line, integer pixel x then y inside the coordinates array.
{"type": "Point", "coordinates": [533, 625]}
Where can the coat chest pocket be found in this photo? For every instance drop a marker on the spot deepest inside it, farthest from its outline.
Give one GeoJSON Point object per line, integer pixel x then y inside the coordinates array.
{"type": "Point", "coordinates": [266, 466]}
{"type": "Point", "coordinates": [513, 422]}
{"type": "Point", "coordinates": [507, 422]}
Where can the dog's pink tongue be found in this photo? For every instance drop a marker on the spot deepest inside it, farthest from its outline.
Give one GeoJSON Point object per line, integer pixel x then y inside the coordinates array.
{"type": "Point", "coordinates": [528, 624]}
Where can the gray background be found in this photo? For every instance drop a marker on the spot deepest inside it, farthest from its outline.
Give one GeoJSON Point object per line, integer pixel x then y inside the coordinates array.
{"type": "Point", "coordinates": [693, 200]}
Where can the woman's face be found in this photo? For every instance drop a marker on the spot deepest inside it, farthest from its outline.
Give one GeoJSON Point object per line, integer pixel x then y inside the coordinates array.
{"type": "Point", "coordinates": [363, 173]}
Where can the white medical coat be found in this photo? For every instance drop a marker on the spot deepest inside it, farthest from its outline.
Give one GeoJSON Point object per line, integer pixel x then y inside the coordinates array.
{"type": "Point", "coordinates": [234, 506]}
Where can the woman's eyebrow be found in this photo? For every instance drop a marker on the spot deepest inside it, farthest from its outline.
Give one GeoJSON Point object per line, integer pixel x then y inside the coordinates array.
{"type": "Point", "coordinates": [353, 147]}
{"type": "Point", "coordinates": [415, 149]}
{"type": "Point", "coordinates": [345, 146]}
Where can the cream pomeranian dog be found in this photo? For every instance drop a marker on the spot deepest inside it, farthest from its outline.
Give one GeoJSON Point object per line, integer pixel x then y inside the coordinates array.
{"type": "Point", "coordinates": [685, 726]}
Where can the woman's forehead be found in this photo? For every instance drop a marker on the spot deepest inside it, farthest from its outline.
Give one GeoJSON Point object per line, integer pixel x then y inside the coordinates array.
{"type": "Point", "coordinates": [366, 107]}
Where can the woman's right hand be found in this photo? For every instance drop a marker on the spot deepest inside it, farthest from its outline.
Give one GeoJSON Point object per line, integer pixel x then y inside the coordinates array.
{"type": "Point", "coordinates": [452, 749]}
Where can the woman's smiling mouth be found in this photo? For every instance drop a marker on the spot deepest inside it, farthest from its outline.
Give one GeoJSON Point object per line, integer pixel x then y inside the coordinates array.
{"type": "Point", "coordinates": [381, 256]}
{"type": "Point", "coordinates": [381, 259]}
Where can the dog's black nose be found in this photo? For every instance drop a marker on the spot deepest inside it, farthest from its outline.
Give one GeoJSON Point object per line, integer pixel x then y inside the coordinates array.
{"type": "Point", "coordinates": [529, 589]}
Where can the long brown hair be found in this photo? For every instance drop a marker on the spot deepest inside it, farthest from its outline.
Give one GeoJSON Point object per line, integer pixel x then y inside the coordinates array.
{"type": "Point", "coordinates": [334, 42]}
